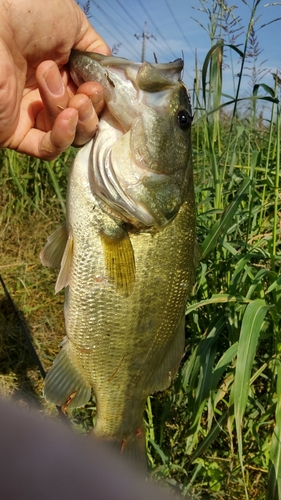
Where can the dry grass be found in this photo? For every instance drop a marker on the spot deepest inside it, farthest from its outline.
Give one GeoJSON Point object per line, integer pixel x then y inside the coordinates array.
{"type": "Point", "coordinates": [32, 289]}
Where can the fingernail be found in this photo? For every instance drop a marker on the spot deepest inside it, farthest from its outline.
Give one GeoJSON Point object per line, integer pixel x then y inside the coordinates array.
{"type": "Point", "coordinates": [54, 81]}
{"type": "Point", "coordinates": [98, 94]}
{"type": "Point", "coordinates": [97, 99]}
{"type": "Point", "coordinates": [72, 123]}
{"type": "Point", "coordinates": [86, 112]}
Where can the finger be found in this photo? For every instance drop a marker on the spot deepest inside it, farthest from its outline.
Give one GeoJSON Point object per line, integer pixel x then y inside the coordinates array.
{"type": "Point", "coordinates": [87, 119]}
{"type": "Point", "coordinates": [91, 89]}
{"type": "Point", "coordinates": [49, 145]}
{"type": "Point", "coordinates": [53, 92]}
{"type": "Point", "coordinates": [95, 92]}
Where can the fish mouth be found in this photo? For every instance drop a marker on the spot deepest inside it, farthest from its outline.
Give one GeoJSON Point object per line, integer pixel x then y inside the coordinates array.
{"type": "Point", "coordinates": [82, 70]}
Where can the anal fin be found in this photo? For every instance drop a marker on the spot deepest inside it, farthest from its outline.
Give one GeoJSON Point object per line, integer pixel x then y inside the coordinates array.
{"type": "Point", "coordinates": [64, 384]}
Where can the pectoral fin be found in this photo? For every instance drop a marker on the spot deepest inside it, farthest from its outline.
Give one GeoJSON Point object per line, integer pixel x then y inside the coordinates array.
{"type": "Point", "coordinates": [119, 259]}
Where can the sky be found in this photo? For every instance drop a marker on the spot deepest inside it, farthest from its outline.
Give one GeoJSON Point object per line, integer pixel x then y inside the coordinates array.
{"type": "Point", "coordinates": [179, 27]}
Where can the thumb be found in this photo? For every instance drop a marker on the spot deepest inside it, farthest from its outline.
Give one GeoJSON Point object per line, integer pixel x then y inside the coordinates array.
{"type": "Point", "coordinates": [9, 98]}
{"type": "Point", "coordinates": [87, 37]}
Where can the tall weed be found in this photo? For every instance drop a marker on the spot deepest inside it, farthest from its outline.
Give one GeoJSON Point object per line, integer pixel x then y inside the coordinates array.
{"type": "Point", "coordinates": [224, 425]}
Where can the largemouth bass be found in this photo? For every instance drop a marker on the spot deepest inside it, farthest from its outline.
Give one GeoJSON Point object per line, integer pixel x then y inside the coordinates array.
{"type": "Point", "coordinates": [127, 251]}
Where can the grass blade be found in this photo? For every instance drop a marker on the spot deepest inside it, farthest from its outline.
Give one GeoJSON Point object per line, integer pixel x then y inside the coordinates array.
{"type": "Point", "coordinates": [221, 226]}
{"type": "Point", "coordinates": [60, 197]}
{"type": "Point", "coordinates": [274, 471]}
{"type": "Point", "coordinates": [250, 331]}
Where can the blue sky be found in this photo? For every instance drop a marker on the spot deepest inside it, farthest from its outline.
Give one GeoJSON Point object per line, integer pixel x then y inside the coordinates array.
{"type": "Point", "coordinates": [173, 24]}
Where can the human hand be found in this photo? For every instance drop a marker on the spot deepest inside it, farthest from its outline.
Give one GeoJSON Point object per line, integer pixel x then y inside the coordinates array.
{"type": "Point", "coordinates": [41, 110]}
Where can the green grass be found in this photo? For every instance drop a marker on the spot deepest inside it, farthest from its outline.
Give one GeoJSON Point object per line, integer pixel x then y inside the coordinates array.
{"type": "Point", "coordinates": [223, 407]}
{"type": "Point", "coordinates": [217, 429]}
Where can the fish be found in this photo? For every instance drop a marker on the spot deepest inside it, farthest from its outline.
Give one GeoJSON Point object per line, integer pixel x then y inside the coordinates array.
{"type": "Point", "coordinates": [126, 253]}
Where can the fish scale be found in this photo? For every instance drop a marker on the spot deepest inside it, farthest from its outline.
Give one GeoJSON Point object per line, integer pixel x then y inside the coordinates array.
{"type": "Point", "coordinates": [128, 264]}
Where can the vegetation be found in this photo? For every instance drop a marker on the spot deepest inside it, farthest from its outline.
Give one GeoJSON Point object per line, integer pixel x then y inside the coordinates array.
{"type": "Point", "coordinates": [217, 429]}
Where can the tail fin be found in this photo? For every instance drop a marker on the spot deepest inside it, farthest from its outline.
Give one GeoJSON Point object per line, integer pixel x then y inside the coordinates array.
{"type": "Point", "coordinates": [131, 447]}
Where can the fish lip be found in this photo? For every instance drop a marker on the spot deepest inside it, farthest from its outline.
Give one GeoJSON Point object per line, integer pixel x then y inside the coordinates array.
{"type": "Point", "coordinates": [112, 61]}
{"type": "Point", "coordinates": [79, 62]}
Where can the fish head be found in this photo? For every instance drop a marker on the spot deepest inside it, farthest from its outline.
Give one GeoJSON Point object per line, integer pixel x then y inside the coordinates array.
{"type": "Point", "coordinates": [145, 174]}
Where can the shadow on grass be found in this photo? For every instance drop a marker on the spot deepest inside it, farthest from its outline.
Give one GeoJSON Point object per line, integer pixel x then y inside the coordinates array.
{"type": "Point", "coordinates": [19, 371]}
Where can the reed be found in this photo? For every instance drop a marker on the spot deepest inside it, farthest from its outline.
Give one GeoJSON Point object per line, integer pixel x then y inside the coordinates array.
{"type": "Point", "coordinates": [224, 412]}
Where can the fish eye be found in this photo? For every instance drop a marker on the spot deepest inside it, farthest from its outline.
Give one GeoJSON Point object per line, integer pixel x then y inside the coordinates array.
{"type": "Point", "coordinates": [184, 119]}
